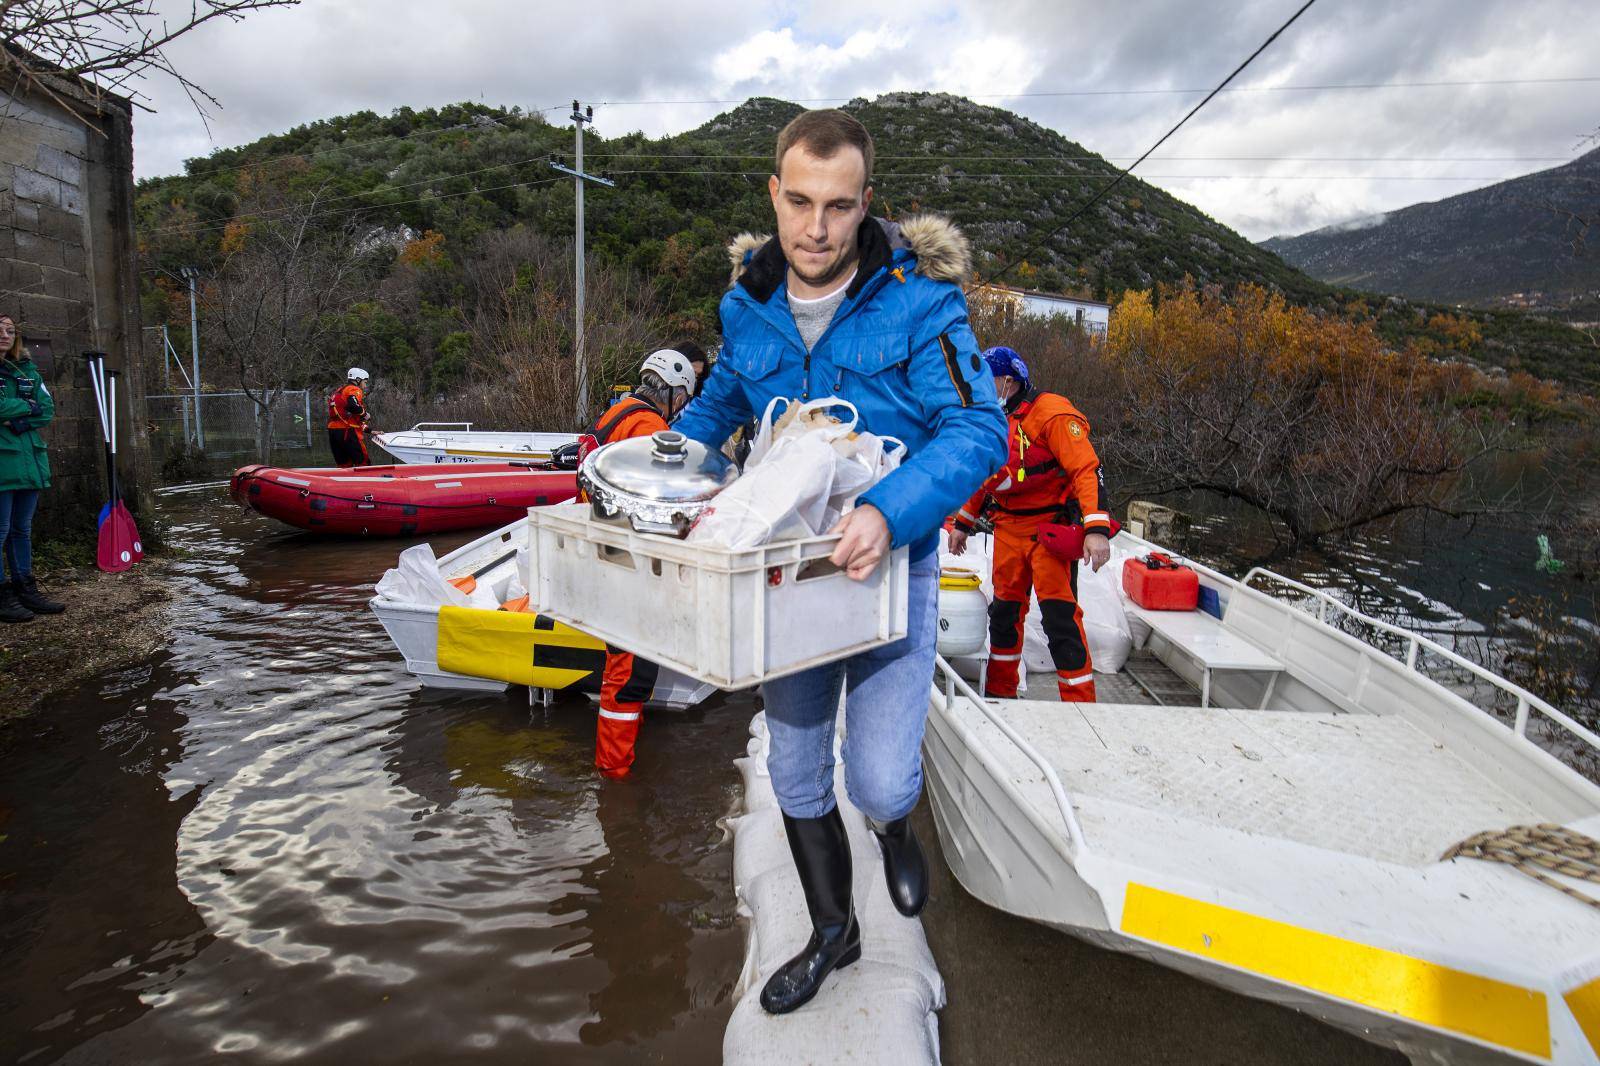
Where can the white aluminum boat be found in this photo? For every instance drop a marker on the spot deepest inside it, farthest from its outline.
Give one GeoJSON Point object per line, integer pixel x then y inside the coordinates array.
{"type": "Point", "coordinates": [458, 442]}
{"type": "Point", "coordinates": [1288, 840]}
{"type": "Point", "coordinates": [557, 657]}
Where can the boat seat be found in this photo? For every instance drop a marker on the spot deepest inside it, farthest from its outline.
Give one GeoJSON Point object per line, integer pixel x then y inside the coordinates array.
{"type": "Point", "coordinates": [1211, 645]}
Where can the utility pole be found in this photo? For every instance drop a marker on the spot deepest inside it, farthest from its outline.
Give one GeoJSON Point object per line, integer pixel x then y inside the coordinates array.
{"type": "Point", "coordinates": [580, 368]}
{"type": "Point", "coordinates": [191, 274]}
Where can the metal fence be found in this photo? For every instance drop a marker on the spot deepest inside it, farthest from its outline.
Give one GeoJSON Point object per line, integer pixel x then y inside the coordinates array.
{"type": "Point", "coordinates": [228, 425]}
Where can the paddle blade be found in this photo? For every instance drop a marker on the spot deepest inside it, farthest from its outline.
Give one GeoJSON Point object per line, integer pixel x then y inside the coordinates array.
{"type": "Point", "coordinates": [119, 513]}
{"type": "Point", "coordinates": [119, 546]}
{"type": "Point", "coordinates": [105, 512]}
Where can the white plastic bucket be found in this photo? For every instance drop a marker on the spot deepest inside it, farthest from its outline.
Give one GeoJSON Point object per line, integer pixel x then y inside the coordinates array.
{"type": "Point", "coordinates": [963, 612]}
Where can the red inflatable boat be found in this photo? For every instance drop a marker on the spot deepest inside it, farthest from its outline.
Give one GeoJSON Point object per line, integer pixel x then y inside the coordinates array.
{"type": "Point", "coordinates": [397, 501]}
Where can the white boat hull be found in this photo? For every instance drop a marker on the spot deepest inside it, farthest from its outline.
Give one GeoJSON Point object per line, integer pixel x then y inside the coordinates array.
{"type": "Point", "coordinates": [1289, 852]}
{"type": "Point", "coordinates": [414, 627]}
{"type": "Point", "coordinates": [422, 444]}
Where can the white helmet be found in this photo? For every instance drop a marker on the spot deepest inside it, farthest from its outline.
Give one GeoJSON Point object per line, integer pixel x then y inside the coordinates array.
{"type": "Point", "coordinates": [357, 374]}
{"type": "Point", "coordinates": [671, 367]}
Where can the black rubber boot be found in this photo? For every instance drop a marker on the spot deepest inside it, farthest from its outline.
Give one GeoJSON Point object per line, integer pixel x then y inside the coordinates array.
{"type": "Point", "coordinates": [27, 590]}
{"type": "Point", "coordinates": [822, 856]}
{"type": "Point", "coordinates": [905, 868]}
{"type": "Point", "coordinates": [11, 609]}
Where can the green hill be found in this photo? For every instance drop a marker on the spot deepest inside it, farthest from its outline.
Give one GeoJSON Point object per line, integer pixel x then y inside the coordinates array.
{"type": "Point", "coordinates": [465, 169]}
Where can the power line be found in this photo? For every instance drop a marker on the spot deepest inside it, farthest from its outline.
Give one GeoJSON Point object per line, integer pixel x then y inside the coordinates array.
{"type": "Point", "coordinates": [1092, 177]}
{"type": "Point", "coordinates": [208, 226]}
{"type": "Point", "coordinates": [1332, 87]}
{"type": "Point", "coordinates": [290, 209]}
{"type": "Point", "coordinates": [1097, 197]}
{"type": "Point", "coordinates": [339, 147]}
{"type": "Point", "coordinates": [1098, 158]}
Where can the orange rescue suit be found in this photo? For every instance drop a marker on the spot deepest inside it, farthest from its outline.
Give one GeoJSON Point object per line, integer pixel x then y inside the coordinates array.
{"type": "Point", "coordinates": [345, 414]}
{"type": "Point", "coordinates": [628, 680]}
{"type": "Point", "coordinates": [1051, 475]}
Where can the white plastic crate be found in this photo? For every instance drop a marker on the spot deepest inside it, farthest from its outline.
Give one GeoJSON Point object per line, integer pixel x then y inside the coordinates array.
{"type": "Point", "coordinates": [729, 618]}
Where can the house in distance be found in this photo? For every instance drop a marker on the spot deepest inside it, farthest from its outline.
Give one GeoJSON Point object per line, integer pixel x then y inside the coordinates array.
{"type": "Point", "coordinates": [1091, 316]}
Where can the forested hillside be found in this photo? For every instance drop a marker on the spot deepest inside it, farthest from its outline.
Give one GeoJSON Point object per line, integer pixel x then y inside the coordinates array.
{"type": "Point", "coordinates": [454, 176]}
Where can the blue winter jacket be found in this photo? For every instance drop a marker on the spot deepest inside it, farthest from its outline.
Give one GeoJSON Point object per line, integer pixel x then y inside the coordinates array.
{"type": "Point", "coordinates": [899, 348]}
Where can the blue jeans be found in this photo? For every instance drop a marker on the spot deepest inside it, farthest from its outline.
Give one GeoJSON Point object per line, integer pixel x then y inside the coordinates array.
{"type": "Point", "coordinates": [886, 707]}
{"type": "Point", "coordinates": [16, 528]}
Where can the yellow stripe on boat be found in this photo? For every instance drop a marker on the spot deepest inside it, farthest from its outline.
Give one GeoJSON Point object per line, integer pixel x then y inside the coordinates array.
{"type": "Point", "coordinates": [521, 456]}
{"type": "Point", "coordinates": [1469, 1004]}
{"type": "Point", "coordinates": [1584, 1003]}
{"type": "Point", "coordinates": [502, 645]}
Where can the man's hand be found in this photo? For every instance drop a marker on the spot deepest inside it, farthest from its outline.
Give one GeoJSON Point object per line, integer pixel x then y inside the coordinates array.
{"type": "Point", "coordinates": [1097, 550]}
{"type": "Point", "coordinates": [958, 541]}
{"type": "Point", "coordinates": [864, 542]}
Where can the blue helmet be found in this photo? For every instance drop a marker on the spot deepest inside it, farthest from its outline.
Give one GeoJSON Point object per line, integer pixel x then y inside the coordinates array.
{"type": "Point", "coordinates": [1005, 362]}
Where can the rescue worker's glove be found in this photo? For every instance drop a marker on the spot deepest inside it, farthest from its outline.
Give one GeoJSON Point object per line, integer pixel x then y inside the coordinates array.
{"type": "Point", "coordinates": [34, 410]}
{"type": "Point", "coordinates": [19, 426]}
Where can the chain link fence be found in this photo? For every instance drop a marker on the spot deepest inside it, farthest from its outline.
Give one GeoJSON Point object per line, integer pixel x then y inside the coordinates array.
{"type": "Point", "coordinates": [228, 426]}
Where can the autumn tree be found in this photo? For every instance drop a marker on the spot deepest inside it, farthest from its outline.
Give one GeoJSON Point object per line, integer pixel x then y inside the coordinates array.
{"type": "Point", "coordinates": [1306, 417]}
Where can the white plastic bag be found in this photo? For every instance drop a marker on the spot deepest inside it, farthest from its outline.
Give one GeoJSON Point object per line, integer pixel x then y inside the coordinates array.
{"type": "Point", "coordinates": [1105, 622]}
{"type": "Point", "coordinates": [416, 579]}
{"type": "Point", "coordinates": [805, 470]}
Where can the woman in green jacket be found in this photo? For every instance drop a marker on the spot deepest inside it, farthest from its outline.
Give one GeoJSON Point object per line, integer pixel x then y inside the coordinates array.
{"type": "Point", "coordinates": [25, 406]}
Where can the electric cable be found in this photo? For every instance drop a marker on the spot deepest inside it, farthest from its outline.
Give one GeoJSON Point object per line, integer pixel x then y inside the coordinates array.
{"type": "Point", "coordinates": [1162, 140]}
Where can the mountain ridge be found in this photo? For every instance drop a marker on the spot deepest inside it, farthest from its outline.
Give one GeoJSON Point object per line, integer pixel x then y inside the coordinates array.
{"type": "Point", "coordinates": [1484, 247]}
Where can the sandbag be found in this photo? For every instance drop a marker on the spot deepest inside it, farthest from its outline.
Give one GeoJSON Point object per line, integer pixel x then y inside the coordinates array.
{"type": "Point", "coordinates": [881, 1009]}
{"type": "Point", "coordinates": [869, 1013]}
{"type": "Point", "coordinates": [1105, 622]}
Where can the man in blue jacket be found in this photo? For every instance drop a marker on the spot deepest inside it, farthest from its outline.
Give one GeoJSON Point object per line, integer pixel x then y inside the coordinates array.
{"type": "Point", "coordinates": [843, 304]}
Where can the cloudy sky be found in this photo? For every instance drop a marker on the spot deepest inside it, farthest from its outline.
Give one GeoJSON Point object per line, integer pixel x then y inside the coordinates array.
{"type": "Point", "coordinates": [1276, 158]}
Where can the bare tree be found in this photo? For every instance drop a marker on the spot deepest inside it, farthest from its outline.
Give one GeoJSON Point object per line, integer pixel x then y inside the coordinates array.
{"type": "Point", "coordinates": [521, 325]}
{"type": "Point", "coordinates": [109, 44]}
{"type": "Point", "coordinates": [276, 307]}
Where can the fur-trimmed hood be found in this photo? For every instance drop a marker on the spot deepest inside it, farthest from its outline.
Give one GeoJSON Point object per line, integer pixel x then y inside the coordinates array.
{"type": "Point", "coordinates": [942, 251]}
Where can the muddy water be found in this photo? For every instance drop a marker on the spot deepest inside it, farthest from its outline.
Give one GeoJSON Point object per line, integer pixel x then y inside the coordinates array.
{"type": "Point", "coordinates": [270, 841]}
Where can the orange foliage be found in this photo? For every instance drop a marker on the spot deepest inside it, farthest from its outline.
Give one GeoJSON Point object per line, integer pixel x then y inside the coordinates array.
{"type": "Point", "coordinates": [233, 236]}
{"type": "Point", "coordinates": [1308, 416]}
{"type": "Point", "coordinates": [426, 250]}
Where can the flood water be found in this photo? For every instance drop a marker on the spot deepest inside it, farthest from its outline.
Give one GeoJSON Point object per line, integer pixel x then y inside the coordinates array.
{"type": "Point", "coordinates": [270, 843]}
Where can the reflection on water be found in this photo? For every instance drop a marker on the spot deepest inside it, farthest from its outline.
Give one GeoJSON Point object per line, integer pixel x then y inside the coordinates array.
{"type": "Point", "coordinates": [269, 841]}
{"type": "Point", "coordinates": [276, 845]}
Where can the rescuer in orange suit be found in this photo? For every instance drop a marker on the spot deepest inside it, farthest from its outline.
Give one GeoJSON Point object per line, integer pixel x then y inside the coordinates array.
{"type": "Point", "coordinates": [1051, 476]}
{"type": "Point", "coordinates": [347, 420]}
{"type": "Point", "coordinates": [666, 383]}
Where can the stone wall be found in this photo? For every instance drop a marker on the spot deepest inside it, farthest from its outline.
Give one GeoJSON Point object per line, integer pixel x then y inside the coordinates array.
{"type": "Point", "coordinates": [69, 275]}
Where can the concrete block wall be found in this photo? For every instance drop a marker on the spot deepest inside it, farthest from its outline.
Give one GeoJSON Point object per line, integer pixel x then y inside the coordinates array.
{"type": "Point", "coordinates": [69, 276]}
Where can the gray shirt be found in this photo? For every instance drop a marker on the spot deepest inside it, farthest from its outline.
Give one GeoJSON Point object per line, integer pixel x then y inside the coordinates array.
{"type": "Point", "coordinates": [812, 317]}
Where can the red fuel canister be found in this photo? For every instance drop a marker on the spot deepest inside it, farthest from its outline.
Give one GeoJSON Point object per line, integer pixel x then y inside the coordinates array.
{"type": "Point", "coordinates": [1156, 583]}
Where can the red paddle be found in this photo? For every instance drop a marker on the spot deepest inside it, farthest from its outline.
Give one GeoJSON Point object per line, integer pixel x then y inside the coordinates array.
{"type": "Point", "coordinates": [119, 545]}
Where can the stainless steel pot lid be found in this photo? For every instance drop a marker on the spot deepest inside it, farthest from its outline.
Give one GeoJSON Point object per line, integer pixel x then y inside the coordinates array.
{"type": "Point", "coordinates": [660, 483]}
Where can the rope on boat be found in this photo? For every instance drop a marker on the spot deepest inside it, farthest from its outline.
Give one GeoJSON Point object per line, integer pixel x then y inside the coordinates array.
{"type": "Point", "coordinates": [1532, 849]}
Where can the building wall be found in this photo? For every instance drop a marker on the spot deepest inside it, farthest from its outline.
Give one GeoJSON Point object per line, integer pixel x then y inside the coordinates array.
{"type": "Point", "coordinates": [68, 273]}
{"type": "Point", "coordinates": [1096, 317]}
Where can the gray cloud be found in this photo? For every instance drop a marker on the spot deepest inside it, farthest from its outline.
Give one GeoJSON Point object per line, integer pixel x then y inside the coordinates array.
{"type": "Point", "coordinates": [280, 69]}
